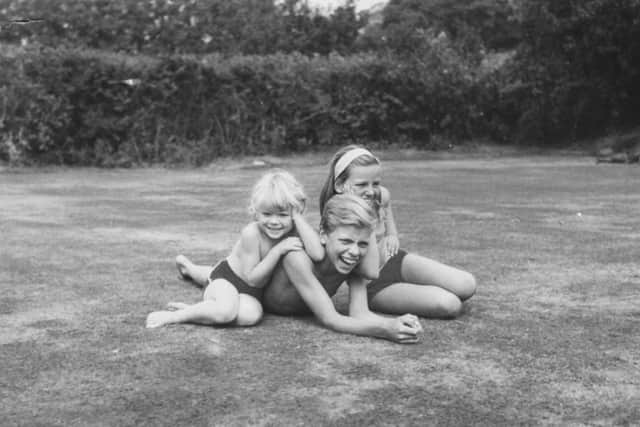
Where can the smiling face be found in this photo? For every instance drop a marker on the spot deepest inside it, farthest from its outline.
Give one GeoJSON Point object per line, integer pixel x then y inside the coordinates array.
{"type": "Point", "coordinates": [273, 222]}
{"type": "Point", "coordinates": [345, 246]}
{"type": "Point", "coordinates": [362, 181]}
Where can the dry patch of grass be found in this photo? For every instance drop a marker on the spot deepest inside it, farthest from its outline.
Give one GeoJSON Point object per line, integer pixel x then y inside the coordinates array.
{"type": "Point", "coordinates": [550, 338]}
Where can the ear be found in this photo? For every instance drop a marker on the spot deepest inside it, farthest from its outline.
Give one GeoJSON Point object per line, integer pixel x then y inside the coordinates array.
{"type": "Point", "coordinates": [323, 238]}
{"type": "Point", "coordinates": [338, 188]}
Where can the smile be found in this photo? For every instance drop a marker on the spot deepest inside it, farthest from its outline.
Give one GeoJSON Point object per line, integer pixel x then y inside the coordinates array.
{"type": "Point", "coordinates": [350, 261]}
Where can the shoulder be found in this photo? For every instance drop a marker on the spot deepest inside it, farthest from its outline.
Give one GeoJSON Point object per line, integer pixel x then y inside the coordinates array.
{"type": "Point", "coordinates": [297, 259]}
{"type": "Point", "coordinates": [385, 196]}
{"type": "Point", "coordinates": [250, 232]}
{"type": "Point", "coordinates": [299, 262]}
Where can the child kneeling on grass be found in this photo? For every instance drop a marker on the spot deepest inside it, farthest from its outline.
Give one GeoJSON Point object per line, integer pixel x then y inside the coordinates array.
{"type": "Point", "coordinates": [233, 293]}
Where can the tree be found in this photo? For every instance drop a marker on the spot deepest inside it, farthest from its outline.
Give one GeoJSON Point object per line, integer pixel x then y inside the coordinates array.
{"type": "Point", "coordinates": [578, 67]}
{"type": "Point", "coordinates": [473, 25]}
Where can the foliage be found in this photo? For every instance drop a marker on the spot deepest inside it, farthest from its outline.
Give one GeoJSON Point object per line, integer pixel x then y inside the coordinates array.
{"type": "Point", "coordinates": [472, 25]}
{"type": "Point", "coordinates": [210, 78]}
{"type": "Point", "coordinates": [168, 27]}
{"type": "Point", "coordinates": [577, 71]}
{"type": "Point", "coordinates": [89, 108]}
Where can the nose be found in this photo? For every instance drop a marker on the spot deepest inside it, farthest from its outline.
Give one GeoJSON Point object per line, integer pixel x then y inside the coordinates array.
{"type": "Point", "coordinates": [368, 191]}
{"type": "Point", "coordinates": [354, 250]}
{"type": "Point", "coordinates": [273, 220]}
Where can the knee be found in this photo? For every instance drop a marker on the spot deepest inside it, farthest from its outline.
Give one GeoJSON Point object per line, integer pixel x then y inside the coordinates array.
{"type": "Point", "coordinates": [467, 286]}
{"type": "Point", "coordinates": [449, 306]}
{"type": "Point", "coordinates": [228, 314]}
{"type": "Point", "coordinates": [214, 313]}
{"type": "Point", "coordinates": [249, 311]}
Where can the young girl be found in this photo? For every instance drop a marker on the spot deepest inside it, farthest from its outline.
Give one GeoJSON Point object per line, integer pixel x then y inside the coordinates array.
{"type": "Point", "coordinates": [407, 282]}
{"type": "Point", "coordinates": [301, 285]}
{"type": "Point", "coordinates": [234, 290]}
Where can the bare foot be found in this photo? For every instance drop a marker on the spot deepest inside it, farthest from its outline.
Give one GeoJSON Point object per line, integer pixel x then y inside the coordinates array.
{"type": "Point", "coordinates": [159, 318]}
{"type": "Point", "coordinates": [182, 263]}
{"type": "Point", "coordinates": [177, 305]}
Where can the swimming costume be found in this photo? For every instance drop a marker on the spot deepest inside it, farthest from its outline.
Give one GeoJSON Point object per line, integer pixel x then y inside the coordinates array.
{"type": "Point", "coordinates": [222, 270]}
{"type": "Point", "coordinates": [389, 274]}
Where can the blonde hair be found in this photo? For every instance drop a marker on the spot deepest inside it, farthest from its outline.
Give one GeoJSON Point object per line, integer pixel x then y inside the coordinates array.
{"type": "Point", "coordinates": [277, 189]}
{"type": "Point", "coordinates": [347, 209]}
{"type": "Point", "coordinates": [329, 188]}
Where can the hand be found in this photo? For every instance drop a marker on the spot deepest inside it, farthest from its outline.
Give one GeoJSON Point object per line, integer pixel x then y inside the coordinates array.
{"type": "Point", "coordinates": [404, 329]}
{"type": "Point", "coordinates": [391, 245]}
{"type": "Point", "coordinates": [302, 208]}
{"type": "Point", "coordinates": [289, 244]}
{"type": "Point", "coordinates": [413, 321]}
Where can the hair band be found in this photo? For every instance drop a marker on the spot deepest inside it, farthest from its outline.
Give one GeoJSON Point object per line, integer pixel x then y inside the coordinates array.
{"type": "Point", "coordinates": [348, 157]}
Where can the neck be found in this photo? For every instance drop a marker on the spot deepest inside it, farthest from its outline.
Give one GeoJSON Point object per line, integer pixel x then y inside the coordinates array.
{"type": "Point", "coordinates": [327, 269]}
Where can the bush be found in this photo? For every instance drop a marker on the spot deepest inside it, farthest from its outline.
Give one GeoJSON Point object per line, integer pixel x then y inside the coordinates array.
{"type": "Point", "coordinates": [90, 108]}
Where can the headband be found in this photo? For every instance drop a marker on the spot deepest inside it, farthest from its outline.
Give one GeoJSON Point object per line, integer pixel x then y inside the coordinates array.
{"type": "Point", "coordinates": [348, 157]}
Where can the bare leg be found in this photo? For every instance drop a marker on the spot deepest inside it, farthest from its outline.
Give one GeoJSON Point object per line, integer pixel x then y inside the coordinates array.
{"type": "Point", "coordinates": [249, 311]}
{"type": "Point", "coordinates": [424, 271]}
{"type": "Point", "coordinates": [219, 306]}
{"type": "Point", "coordinates": [421, 300]}
{"type": "Point", "coordinates": [188, 270]}
{"type": "Point", "coordinates": [432, 289]}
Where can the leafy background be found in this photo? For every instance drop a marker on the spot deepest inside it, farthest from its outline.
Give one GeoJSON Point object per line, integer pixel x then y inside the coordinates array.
{"type": "Point", "coordinates": [122, 83]}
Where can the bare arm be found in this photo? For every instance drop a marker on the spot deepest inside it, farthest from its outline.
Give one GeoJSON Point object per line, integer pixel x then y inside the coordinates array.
{"type": "Point", "coordinates": [309, 237]}
{"type": "Point", "coordinates": [369, 267]}
{"type": "Point", "coordinates": [407, 326]}
{"type": "Point", "coordinates": [298, 267]}
{"type": "Point", "coordinates": [258, 271]}
{"type": "Point", "coordinates": [390, 244]}
{"type": "Point", "coordinates": [389, 222]}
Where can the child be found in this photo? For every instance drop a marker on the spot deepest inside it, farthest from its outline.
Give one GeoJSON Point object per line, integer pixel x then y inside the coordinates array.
{"type": "Point", "coordinates": [301, 285]}
{"type": "Point", "coordinates": [234, 290]}
{"type": "Point", "coordinates": [407, 282]}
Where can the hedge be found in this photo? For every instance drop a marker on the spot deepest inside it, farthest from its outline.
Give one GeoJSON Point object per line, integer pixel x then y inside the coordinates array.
{"type": "Point", "coordinates": [80, 107]}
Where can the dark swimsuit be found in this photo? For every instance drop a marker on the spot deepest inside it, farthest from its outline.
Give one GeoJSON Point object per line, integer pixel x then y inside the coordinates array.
{"type": "Point", "coordinates": [390, 273]}
{"type": "Point", "coordinates": [222, 270]}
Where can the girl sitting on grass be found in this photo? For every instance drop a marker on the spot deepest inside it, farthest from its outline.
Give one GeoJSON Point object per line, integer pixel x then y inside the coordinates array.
{"type": "Point", "coordinates": [301, 284]}
{"type": "Point", "coordinates": [234, 286]}
{"type": "Point", "coordinates": [406, 282]}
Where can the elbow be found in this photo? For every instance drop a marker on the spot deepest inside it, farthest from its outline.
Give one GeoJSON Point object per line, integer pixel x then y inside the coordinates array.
{"type": "Point", "coordinates": [368, 272]}
{"type": "Point", "coordinates": [371, 275]}
{"type": "Point", "coordinates": [330, 321]}
{"type": "Point", "coordinates": [316, 256]}
{"type": "Point", "coordinates": [256, 282]}
{"type": "Point", "coordinates": [315, 252]}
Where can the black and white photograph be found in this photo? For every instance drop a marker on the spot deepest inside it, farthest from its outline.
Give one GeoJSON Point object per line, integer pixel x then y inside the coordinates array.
{"type": "Point", "coordinates": [319, 213]}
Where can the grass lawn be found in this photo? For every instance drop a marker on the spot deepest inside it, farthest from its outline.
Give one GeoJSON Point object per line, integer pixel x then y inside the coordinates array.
{"type": "Point", "coordinates": [551, 337]}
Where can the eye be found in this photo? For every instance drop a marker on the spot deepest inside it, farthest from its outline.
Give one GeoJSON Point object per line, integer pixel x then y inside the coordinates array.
{"type": "Point", "coordinates": [376, 183]}
{"type": "Point", "coordinates": [363, 245]}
